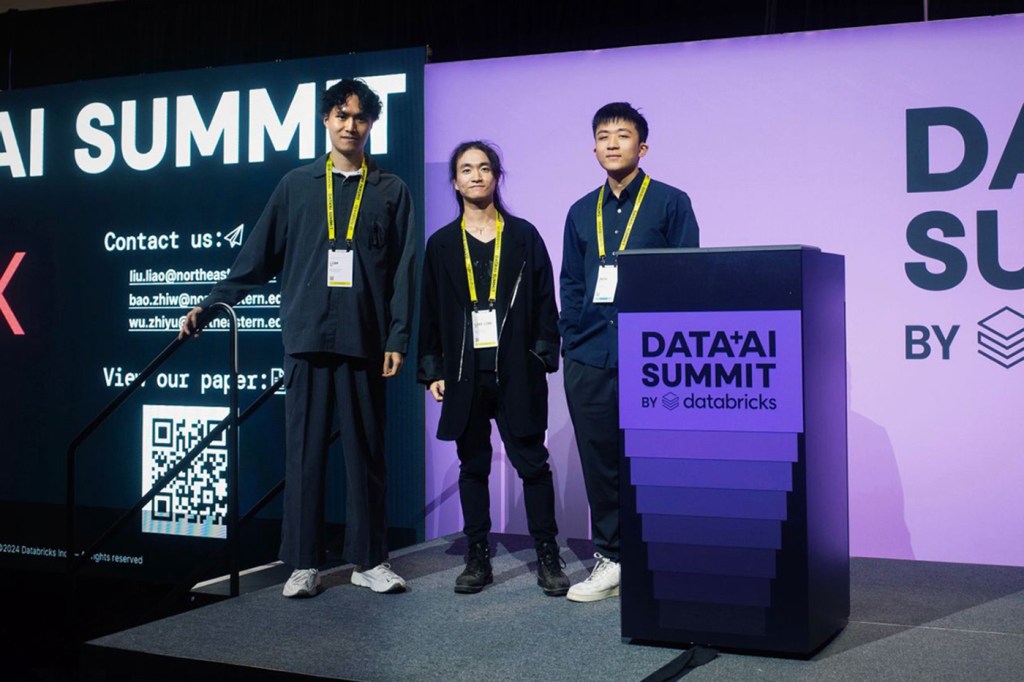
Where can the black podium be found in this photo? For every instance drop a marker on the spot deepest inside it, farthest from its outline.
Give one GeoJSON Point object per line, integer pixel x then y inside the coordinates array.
{"type": "Point", "coordinates": [732, 397]}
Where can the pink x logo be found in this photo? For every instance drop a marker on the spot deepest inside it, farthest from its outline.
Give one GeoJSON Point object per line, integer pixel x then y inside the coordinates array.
{"type": "Point", "coordinates": [5, 308]}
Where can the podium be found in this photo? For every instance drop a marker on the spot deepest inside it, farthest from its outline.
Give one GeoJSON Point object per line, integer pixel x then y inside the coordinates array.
{"type": "Point", "coordinates": [732, 401]}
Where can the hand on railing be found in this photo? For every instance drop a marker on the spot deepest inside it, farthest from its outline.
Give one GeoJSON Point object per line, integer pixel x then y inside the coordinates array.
{"type": "Point", "coordinates": [191, 323]}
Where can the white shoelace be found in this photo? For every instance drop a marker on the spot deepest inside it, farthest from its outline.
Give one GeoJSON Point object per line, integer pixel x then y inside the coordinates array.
{"type": "Point", "coordinates": [602, 563]}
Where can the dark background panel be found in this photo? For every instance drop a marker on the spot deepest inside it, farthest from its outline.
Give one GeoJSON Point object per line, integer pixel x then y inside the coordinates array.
{"type": "Point", "coordinates": [71, 293]}
{"type": "Point", "coordinates": [42, 47]}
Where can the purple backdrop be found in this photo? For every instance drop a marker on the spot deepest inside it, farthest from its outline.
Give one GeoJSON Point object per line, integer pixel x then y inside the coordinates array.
{"type": "Point", "coordinates": [791, 139]}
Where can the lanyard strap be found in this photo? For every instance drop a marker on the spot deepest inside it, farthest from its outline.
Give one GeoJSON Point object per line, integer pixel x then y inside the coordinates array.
{"type": "Point", "coordinates": [493, 296]}
{"type": "Point", "coordinates": [629, 225]}
{"type": "Point", "coordinates": [355, 205]}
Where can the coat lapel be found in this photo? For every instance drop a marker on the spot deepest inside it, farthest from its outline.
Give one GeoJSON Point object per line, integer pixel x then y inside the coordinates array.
{"type": "Point", "coordinates": [513, 254]}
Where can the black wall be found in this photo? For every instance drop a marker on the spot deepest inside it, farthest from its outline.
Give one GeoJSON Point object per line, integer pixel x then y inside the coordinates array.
{"type": "Point", "coordinates": [44, 47]}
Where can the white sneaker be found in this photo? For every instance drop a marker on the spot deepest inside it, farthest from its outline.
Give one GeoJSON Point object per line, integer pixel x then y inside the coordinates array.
{"type": "Point", "coordinates": [304, 582]}
{"type": "Point", "coordinates": [380, 578]}
{"type": "Point", "coordinates": [602, 583]}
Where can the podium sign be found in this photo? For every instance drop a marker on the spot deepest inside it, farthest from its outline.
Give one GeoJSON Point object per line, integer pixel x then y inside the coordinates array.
{"type": "Point", "coordinates": [703, 371]}
{"type": "Point", "coordinates": [733, 405]}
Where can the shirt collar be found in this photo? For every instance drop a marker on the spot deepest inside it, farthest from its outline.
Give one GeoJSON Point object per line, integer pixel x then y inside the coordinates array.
{"type": "Point", "coordinates": [630, 191]}
{"type": "Point", "coordinates": [372, 176]}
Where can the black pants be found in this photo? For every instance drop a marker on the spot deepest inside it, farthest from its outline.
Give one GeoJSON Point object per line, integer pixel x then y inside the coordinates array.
{"type": "Point", "coordinates": [527, 454]}
{"type": "Point", "coordinates": [593, 397]}
{"type": "Point", "coordinates": [317, 384]}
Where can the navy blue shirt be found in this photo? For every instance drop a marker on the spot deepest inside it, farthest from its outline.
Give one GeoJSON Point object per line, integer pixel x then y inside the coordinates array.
{"type": "Point", "coordinates": [290, 239]}
{"type": "Point", "coordinates": [665, 220]}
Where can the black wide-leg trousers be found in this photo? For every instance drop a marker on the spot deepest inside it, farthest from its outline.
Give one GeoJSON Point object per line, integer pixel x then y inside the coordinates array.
{"type": "Point", "coordinates": [318, 384]}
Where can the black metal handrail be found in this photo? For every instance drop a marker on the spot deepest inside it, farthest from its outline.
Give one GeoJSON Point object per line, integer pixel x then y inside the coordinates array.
{"type": "Point", "coordinates": [75, 559]}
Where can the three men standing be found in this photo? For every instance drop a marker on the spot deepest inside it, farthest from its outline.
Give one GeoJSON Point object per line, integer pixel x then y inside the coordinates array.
{"type": "Point", "coordinates": [346, 312]}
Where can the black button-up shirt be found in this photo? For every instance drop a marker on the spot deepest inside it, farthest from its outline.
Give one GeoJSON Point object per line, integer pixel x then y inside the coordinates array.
{"type": "Point", "coordinates": [290, 240]}
{"type": "Point", "coordinates": [665, 220]}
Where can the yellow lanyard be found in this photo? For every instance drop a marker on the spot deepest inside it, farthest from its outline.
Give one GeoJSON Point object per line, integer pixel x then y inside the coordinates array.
{"type": "Point", "coordinates": [355, 205]}
{"type": "Point", "coordinates": [629, 225]}
{"type": "Point", "coordinates": [493, 296]}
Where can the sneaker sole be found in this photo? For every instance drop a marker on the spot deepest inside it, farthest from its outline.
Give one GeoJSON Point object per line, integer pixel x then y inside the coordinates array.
{"type": "Point", "coordinates": [474, 589]}
{"type": "Point", "coordinates": [597, 596]}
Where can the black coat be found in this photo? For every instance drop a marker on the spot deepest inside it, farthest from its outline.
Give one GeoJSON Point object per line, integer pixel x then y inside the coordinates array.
{"type": "Point", "coordinates": [528, 340]}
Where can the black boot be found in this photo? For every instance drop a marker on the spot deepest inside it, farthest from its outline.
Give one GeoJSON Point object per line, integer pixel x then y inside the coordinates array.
{"type": "Point", "coordinates": [478, 569]}
{"type": "Point", "coordinates": [550, 576]}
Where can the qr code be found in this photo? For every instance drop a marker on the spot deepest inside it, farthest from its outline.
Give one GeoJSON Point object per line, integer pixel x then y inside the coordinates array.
{"type": "Point", "coordinates": [195, 502]}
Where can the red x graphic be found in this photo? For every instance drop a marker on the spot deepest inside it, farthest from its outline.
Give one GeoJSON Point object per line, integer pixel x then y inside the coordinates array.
{"type": "Point", "coordinates": [5, 308]}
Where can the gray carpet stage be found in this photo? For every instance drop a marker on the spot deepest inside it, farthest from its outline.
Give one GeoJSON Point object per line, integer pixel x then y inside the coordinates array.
{"type": "Point", "coordinates": [909, 621]}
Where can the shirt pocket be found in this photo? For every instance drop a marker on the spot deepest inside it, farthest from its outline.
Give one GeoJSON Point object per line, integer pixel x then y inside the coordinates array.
{"type": "Point", "coordinates": [378, 235]}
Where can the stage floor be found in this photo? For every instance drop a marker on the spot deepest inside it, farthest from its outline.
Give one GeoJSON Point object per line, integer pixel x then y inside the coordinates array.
{"type": "Point", "coordinates": [909, 621]}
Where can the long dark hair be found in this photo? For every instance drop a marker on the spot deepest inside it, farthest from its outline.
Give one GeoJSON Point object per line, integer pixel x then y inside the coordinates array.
{"type": "Point", "coordinates": [492, 158]}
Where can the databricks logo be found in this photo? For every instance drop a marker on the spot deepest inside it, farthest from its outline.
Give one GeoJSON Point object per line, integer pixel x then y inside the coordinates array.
{"type": "Point", "coordinates": [1001, 338]}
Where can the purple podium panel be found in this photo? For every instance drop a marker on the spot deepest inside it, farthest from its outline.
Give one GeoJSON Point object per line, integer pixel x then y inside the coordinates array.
{"type": "Point", "coordinates": [716, 502]}
{"type": "Point", "coordinates": [699, 530]}
{"type": "Point", "coordinates": [717, 620]}
{"type": "Point", "coordinates": [746, 561]}
{"type": "Point", "coordinates": [732, 402]}
{"type": "Point", "coordinates": [711, 371]}
{"type": "Point", "coordinates": [714, 445]}
{"type": "Point", "coordinates": [709, 473]}
{"type": "Point", "coordinates": [695, 587]}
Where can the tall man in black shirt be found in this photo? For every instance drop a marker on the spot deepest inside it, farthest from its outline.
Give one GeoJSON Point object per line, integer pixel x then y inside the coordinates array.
{"type": "Point", "coordinates": [630, 210]}
{"type": "Point", "coordinates": [339, 233]}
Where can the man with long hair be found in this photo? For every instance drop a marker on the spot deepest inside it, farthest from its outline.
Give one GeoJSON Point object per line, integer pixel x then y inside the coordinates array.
{"type": "Point", "coordinates": [488, 336]}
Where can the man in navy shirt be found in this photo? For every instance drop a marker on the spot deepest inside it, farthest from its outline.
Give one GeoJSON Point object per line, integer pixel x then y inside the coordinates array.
{"type": "Point", "coordinates": [630, 210]}
{"type": "Point", "coordinates": [339, 234]}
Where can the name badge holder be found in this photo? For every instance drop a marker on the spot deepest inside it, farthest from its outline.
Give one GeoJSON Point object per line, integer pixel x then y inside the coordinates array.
{"type": "Point", "coordinates": [341, 262]}
{"type": "Point", "coordinates": [339, 268]}
{"type": "Point", "coordinates": [607, 281]}
{"type": "Point", "coordinates": [485, 328]}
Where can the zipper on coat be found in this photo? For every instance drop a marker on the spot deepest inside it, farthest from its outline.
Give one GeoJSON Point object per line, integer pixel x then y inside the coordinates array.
{"type": "Point", "coordinates": [462, 350]}
{"type": "Point", "coordinates": [512, 302]}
